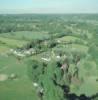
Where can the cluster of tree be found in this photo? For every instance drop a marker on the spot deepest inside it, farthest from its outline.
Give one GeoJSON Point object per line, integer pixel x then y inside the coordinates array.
{"type": "Point", "coordinates": [49, 23]}
{"type": "Point", "coordinates": [55, 78]}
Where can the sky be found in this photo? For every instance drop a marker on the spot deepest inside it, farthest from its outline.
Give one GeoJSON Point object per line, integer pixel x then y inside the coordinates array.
{"type": "Point", "coordinates": [48, 6]}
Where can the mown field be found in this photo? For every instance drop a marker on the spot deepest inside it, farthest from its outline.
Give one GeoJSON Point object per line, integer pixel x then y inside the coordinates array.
{"type": "Point", "coordinates": [26, 35]}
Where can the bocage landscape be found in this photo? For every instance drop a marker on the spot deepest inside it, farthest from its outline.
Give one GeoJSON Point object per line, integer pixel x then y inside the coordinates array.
{"type": "Point", "coordinates": [49, 56]}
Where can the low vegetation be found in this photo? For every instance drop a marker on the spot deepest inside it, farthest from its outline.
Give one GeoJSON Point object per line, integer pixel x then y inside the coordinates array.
{"type": "Point", "coordinates": [48, 57]}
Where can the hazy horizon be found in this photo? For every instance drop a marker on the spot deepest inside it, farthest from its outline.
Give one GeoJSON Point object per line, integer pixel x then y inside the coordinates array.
{"type": "Point", "coordinates": [48, 6]}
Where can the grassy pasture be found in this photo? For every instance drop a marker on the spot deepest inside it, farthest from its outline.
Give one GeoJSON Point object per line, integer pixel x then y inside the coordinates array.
{"type": "Point", "coordinates": [72, 47]}
{"type": "Point", "coordinates": [19, 89]}
{"type": "Point", "coordinates": [79, 47]}
{"type": "Point", "coordinates": [72, 39]}
{"type": "Point", "coordinates": [12, 42]}
{"type": "Point", "coordinates": [26, 35]}
{"type": "Point", "coordinates": [3, 48]}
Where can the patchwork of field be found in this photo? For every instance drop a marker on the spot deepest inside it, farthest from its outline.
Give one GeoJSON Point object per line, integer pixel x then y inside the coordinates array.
{"type": "Point", "coordinates": [49, 57]}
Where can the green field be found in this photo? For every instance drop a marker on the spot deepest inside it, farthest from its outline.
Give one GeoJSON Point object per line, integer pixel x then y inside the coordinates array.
{"type": "Point", "coordinates": [26, 35]}
{"type": "Point", "coordinates": [4, 48]}
{"type": "Point", "coordinates": [21, 87]}
{"type": "Point", "coordinates": [12, 42]}
{"type": "Point", "coordinates": [72, 39]}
